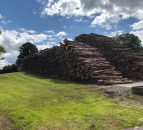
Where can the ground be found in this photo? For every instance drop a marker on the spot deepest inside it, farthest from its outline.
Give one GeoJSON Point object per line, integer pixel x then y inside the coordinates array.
{"type": "Point", "coordinates": [5, 123]}
{"type": "Point", "coordinates": [31, 103]}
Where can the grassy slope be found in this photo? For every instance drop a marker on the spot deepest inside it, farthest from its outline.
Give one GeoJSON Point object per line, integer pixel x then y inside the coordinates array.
{"type": "Point", "coordinates": [46, 104]}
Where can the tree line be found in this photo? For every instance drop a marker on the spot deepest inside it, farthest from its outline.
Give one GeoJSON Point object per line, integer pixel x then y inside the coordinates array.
{"type": "Point", "coordinates": [130, 40]}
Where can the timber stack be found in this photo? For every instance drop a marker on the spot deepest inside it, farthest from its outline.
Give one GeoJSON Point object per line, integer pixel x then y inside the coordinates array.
{"type": "Point", "coordinates": [76, 61]}
{"type": "Point", "coordinates": [129, 63]}
{"type": "Point", "coordinates": [90, 58]}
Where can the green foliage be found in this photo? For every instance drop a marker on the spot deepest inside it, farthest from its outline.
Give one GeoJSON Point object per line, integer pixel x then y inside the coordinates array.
{"type": "Point", "coordinates": [9, 69]}
{"type": "Point", "coordinates": [48, 104]}
{"type": "Point", "coordinates": [25, 50]}
{"type": "Point", "coordinates": [2, 49]}
{"type": "Point", "coordinates": [129, 40]}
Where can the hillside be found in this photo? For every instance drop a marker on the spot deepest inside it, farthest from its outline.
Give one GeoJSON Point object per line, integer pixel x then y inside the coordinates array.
{"type": "Point", "coordinates": [31, 103]}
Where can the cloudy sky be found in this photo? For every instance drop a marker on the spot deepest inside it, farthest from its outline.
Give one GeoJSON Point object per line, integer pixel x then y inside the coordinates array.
{"type": "Point", "coordinates": [46, 22]}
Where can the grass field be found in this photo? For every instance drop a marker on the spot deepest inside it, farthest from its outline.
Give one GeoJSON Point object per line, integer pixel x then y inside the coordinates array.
{"type": "Point", "coordinates": [32, 103]}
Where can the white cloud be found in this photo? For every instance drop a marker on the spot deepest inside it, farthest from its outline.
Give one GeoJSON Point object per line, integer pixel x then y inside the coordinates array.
{"type": "Point", "coordinates": [138, 33]}
{"type": "Point", "coordinates": [13, 39]}
{"type": "Point", "coordinates": [3, 63]}
{"type": "Point", "coordinates": [109, 11]}
{"type": "Point", "coordinates": [42, 47]}
{"type": "Point", "coordinates": [9, 58]}
{"type": "Point", "coordinates": [114, 33]}
{"type": "Point", "coordinates": [50, 31]}
{"type": "Point", "coordinates": [102, 20]}
{"type": "Point", "coordinates": [4, 21]}
{"type": "Point", "coordinates": [63, 8]}
{"type": "Point", "coordinates": [80, 20]}
{"type": "Point", "coordinates": [138, 29]}
{"type": "Point", "coordinates": [61, 34]}
{"type": "Point", "coordinates": [138, 25]}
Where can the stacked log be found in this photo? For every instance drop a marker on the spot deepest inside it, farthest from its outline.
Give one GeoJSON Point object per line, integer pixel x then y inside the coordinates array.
{"type": "Point", "coordinates": [73, 61]}
{"type": "Point", "coordinates": [129, 63]}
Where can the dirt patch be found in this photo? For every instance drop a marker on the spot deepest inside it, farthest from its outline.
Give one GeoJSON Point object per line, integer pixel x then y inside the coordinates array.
{"type": "Point", "coordinates": [5, 123]}
{"type": "Point", "coordinates": [115, 91]}
{"type": "Point", "coordinates": [120, 90]}
{"type": "Point", "coordinates": [136, 128]}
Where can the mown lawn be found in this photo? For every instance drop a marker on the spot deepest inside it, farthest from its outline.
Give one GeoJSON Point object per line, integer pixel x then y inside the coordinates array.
{"type": "Point", "coordinates": [47, 104]}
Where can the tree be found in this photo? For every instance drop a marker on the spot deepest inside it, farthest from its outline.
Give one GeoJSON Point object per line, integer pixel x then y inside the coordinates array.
{"type": "Point", "coordinates": [129, 40]}
{"type": "Point", "coordinates": [9, 69]}
{"type": "Point", "coordinates": [25, 50]}
{"type": "Point", "coordinates": [2, 49]}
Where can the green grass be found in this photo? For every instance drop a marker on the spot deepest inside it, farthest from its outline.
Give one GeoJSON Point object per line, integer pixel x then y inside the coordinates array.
{"type": "Point", "coordinates": [48, 104]}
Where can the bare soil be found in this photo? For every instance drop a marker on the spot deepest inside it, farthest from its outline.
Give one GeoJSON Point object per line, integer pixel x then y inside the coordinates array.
{"type": "Point", "coordinates": [5, 123]}
{"type": "Point", "coordinates": [119, 90]}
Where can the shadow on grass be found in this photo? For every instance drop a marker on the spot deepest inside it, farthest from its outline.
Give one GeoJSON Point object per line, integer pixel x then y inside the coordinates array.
{"type": "Point", "coordinates": [55, 79]}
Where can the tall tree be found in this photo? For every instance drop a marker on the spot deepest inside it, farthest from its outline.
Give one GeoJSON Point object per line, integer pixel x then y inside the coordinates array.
{"type": "Point", "coordinates": [129, 40]}
{"type": "Point", "coordinates": [25, 50]}
{"type": "Point", "coordinates": [2, 49]}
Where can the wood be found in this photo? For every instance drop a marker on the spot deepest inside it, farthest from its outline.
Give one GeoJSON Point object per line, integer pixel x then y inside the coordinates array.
{"type": "Point", "coordinates": [129, 63]}
{"type": "Point", "coordinates": [83, 61]}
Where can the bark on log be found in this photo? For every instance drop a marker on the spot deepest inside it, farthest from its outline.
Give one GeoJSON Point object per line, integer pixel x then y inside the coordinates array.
{"type": "Point", "coordinates": [84, 61]}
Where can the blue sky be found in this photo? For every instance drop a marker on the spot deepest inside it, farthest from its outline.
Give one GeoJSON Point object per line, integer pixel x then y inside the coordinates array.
{"type": "Point", "coordinates": [46, 22]}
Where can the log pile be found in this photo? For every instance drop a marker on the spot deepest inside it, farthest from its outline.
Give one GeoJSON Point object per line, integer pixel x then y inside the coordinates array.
{"type": "Point", "coordinates": [129, 63]}
{"type": "Point", "coordinates": [73, 61]}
